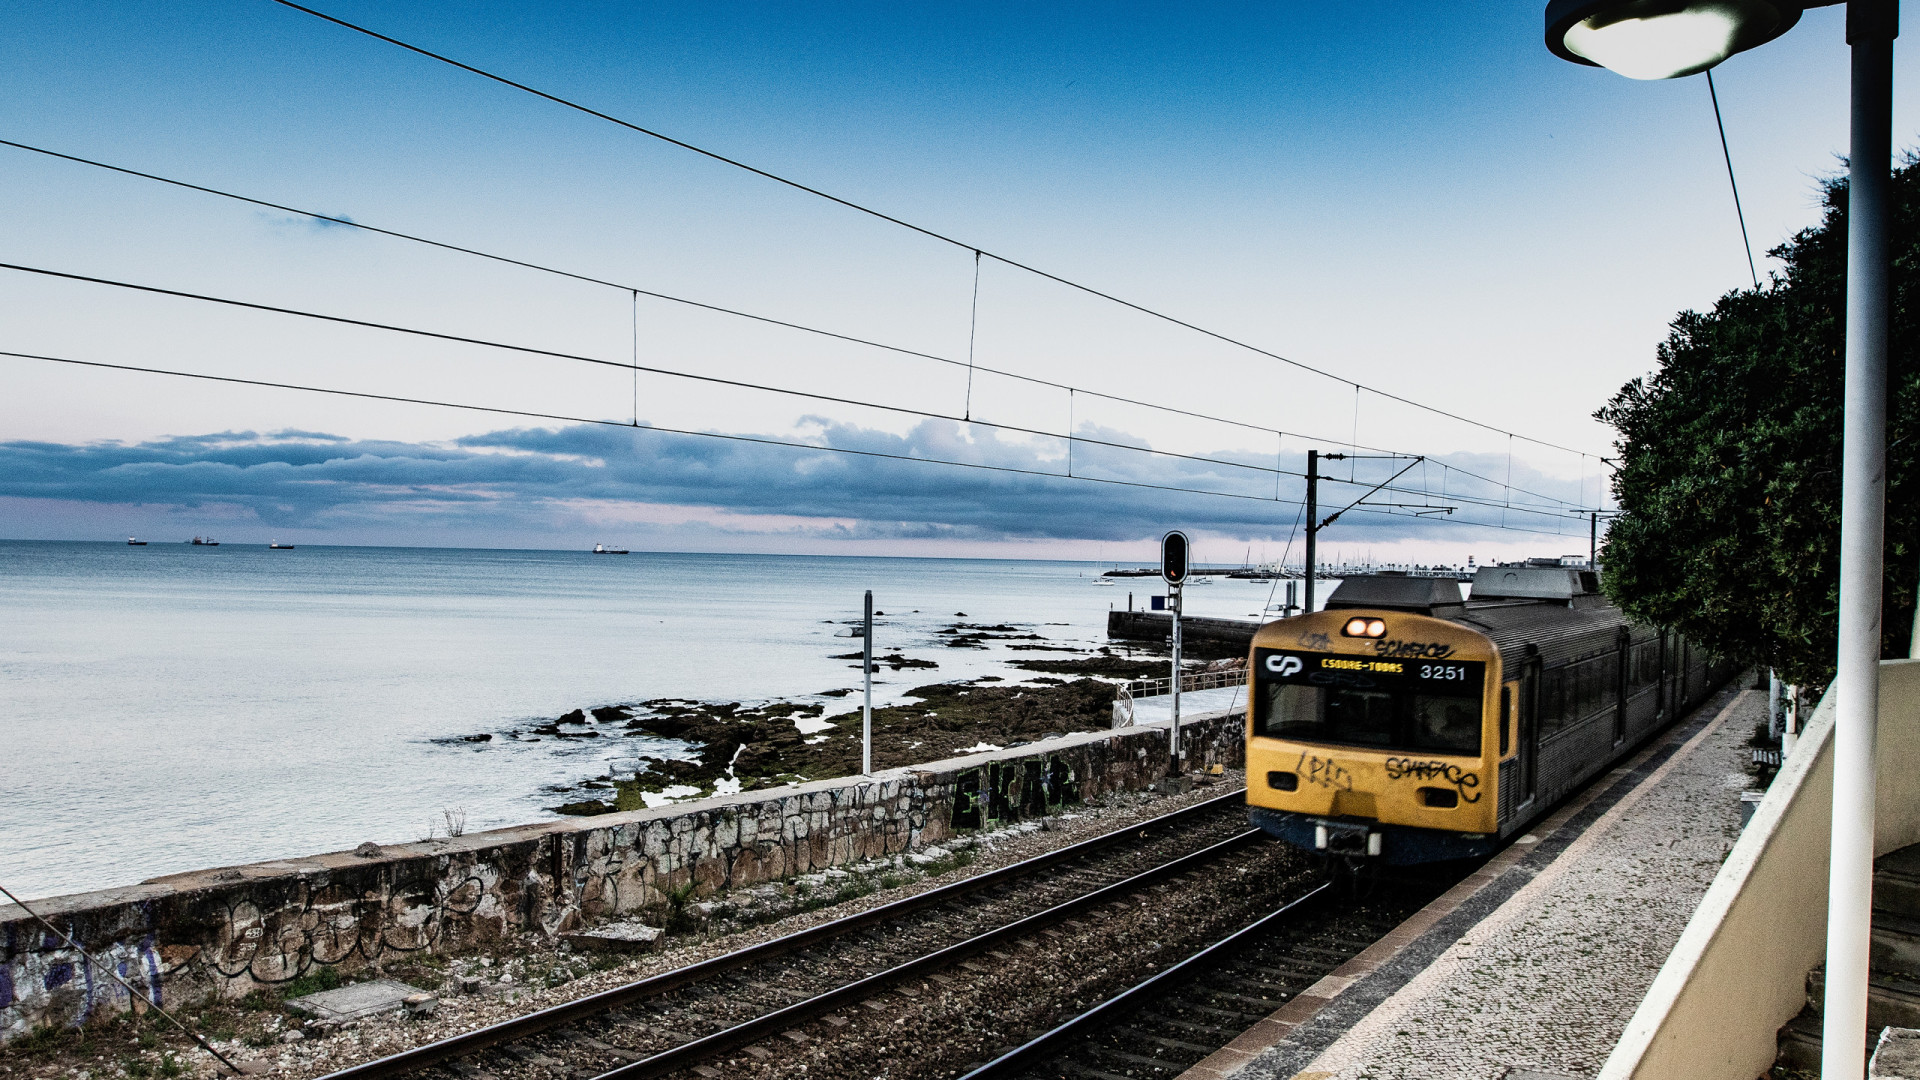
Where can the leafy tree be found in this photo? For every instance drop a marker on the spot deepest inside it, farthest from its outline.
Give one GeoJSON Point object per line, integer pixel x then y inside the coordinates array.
{"type": "Point", "coordinates": [1729, 474]}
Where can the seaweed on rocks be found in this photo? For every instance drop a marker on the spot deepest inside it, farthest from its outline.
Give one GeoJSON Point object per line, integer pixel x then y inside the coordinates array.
{"type": "Point", "coordinates": [942, 719]}
{"type": "Point", "coordinates": [759, 746]}
{"type": "Point", "coordinates": [896, 661]}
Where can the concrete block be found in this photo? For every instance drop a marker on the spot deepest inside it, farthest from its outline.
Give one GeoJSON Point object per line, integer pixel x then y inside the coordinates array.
{"type": "Point", "coordinates": [617, 937]}
{"type": "Point", "coordinates": [352, 1002]}
{"type": "Point", "coordinates": [1897, 1057]}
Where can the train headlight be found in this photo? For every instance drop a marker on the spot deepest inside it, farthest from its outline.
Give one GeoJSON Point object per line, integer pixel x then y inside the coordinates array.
{"type": "Point", "coordinates": [1364, 627]}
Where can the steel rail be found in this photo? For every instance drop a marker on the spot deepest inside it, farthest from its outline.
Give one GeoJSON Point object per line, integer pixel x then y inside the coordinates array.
{"type": "Point", "coordinates": [1032, 1052]}
{"type": "Point", "coordinates": [772, 1023]}
{"type": "Point", "coordinates": [555, 1016]}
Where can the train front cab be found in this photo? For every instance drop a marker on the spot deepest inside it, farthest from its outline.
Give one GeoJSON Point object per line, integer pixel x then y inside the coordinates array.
{"type": "Point", "coordinates": [1379, 734]}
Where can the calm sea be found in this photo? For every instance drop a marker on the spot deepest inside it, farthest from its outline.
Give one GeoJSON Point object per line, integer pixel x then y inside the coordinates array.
{"type": "Point", "coordinates": [169, 707]}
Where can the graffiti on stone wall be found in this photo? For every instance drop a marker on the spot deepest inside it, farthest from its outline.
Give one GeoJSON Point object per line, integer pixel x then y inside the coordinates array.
{"type": "Point", "coordinates": [1008, 791]}
{"type": "Point", "coordinates": [230, 932]}
{"type": "Point", "coordinates": [328, 928]}
{"type": "Point", "coordinates": [46, 967]}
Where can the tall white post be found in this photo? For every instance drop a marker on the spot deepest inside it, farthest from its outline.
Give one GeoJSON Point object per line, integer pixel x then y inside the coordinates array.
{"type": "Point", "coordinates": [1871, 27]}
{"type": "Point", "coordinates": [1790, 725]}
{"type": "Point", "coordinates": [866, 711]}
{"type": "Point", "coordinates": [1775, 714]}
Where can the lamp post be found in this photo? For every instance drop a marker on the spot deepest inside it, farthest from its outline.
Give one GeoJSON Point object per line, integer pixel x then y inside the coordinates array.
{"type": "Point", "coordinates": [1665, 39]}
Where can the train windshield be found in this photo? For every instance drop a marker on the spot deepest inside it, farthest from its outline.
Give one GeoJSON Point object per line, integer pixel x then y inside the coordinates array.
{"type": "Point", "coordinates": [1397, 705]}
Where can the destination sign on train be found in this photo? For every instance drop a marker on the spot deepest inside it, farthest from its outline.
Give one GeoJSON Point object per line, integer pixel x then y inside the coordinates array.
{"type": "Point", "coordinates": [1368, 672]}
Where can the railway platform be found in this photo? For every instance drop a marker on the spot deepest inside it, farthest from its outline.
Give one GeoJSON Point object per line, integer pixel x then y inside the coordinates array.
{"type": "Point", "coordinates": [1531, 967]}
{"type": "Point", "coordinates": [1195, 705]}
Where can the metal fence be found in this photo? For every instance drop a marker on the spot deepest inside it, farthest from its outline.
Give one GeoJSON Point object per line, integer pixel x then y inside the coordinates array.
{"type": "Point", "coordinates": [1189, 682]}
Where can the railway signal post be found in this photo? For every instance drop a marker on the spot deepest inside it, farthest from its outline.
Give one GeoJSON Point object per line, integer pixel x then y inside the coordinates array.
{"type": "Point", "coordinates": [866, 672]}
{"type": "Point", "coordinates": [1173, 570]}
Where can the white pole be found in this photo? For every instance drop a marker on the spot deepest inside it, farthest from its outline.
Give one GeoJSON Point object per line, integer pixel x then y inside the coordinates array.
{"type": "Point", "coordinates": [1871, 25]}
{"type": "Point", "coordinates": [1775, 712]}
{"type": "Point", "coordinates": [866, 711]}
{"type": "Point", "coordinates": [1790, 725]}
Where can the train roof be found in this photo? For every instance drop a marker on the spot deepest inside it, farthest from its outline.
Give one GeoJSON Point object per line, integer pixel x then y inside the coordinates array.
{"type": "Point", "coordinates": [1559, 632]}
{"type": "Point", "coordinates": [1557, 611]}
{"type": "Point", "coordinates": [1398, 592]}
{"type": "Point", "coordinates": [1534, 583]}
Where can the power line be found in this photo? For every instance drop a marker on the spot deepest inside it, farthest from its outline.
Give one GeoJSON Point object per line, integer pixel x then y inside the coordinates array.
{"type": "Point", "coordinates": [922, 230]}
{"type": "Point", "coordinates": [1746, 245]}
{"type": "Point", "coordinates": [716, 380]}
{"type": "Point", "coordinates": [725, 436]}
{"type": "Point", "coordinates": [635, 292]}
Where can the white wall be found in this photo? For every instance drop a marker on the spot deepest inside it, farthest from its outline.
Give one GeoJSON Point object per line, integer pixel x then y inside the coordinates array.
{"type": "Point", "coordinates": [1739, 969]}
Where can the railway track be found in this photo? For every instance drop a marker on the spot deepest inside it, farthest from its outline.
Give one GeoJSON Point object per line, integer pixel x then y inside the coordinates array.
{"type": "Point", "coordinates": [816, 979]}
{"type": "Point", "coordinates": [1179, 1016]}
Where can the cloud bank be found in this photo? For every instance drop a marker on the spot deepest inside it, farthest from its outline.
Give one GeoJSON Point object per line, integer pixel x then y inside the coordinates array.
{"type": "Point", "coordinates": [532, 480]}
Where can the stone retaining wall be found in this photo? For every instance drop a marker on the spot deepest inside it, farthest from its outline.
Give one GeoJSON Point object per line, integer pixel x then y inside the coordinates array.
{"type": "Point", "coordinates": [225, 932]}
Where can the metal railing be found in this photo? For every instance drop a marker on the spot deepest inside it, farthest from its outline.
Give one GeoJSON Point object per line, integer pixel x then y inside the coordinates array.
{"type": "Point", "coordinates": [1189, 682]}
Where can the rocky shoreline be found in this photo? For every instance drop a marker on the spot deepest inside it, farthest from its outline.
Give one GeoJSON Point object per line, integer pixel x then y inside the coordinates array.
{"type": "Point", "coordinates": [687, 749]}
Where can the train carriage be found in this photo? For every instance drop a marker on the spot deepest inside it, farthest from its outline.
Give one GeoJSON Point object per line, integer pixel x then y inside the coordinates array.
{"type": "Point", "coordinates": [1405, 725]}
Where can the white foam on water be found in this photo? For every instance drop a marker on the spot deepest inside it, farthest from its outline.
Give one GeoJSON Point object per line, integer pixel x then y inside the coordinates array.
{"type": "Point", "coordinates": [671, 794]}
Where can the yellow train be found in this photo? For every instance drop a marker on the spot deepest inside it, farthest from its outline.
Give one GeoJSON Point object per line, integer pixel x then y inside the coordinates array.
{"type": "Point", "coordinates": [1403, 725]}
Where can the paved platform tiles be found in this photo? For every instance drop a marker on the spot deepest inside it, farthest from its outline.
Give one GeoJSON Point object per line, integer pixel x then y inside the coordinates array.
{"type": "Point", "coordinates": [1530, 968]}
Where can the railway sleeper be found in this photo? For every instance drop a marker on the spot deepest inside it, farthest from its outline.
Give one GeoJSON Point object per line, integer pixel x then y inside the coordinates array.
{"type": "Point", "coordinates": [1162, 1040]}
{"type": "Point", "coordinates": [1078, 1069]}
{"type": "Point", "coordinates": [1267, 1003]}
{"type": "Point", "coordinates": [1232, 1016]}
{"type": "Point", "coordinates": [1170, 1020]}
{"type": "Point", "coordinates": [1255, 981]}
{"type": "Point", "coordinates": [1127, 1057]}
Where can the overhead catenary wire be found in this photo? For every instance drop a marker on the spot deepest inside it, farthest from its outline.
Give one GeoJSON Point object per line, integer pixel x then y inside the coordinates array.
{"type": "Point", "coordinates": [1746, 245]}
{"type": "Point", "coordinates": [636, 292]}
{"type": "Point", "coordinates": [902, 223]}
{"type": "Point", "coordinates": [667, 372]}
{"type": "Point", "coordinates": [973, 332]}
{"type": "Point", "coordinates": [760, 440]}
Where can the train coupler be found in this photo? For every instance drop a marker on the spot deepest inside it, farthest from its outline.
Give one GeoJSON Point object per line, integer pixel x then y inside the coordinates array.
{"type": "Point", "coordinates": [1351, 838]}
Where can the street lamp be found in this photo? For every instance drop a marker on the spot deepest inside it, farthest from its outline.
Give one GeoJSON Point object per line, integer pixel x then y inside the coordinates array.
{"type": "Point", "coordinates": [1661, 39]}
{"type": "Point", "coordinates": [1664, 39]}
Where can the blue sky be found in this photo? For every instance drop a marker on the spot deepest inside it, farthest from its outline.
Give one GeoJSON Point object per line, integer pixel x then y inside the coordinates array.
{"type": "Point", "coordinates": [1428, 203]}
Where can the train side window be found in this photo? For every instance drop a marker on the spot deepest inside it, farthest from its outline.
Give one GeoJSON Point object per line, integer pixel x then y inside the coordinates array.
{"type": "Point", "coordinates": [1550, 702]}
{"type": "Point", "coordinates": [1506, 718]}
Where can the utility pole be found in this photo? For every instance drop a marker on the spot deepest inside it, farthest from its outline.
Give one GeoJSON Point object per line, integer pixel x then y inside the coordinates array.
{"type": "Point", "coordinates": [1593, 540]}
{"type": "Point", "coordinates": [1313, 523]}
